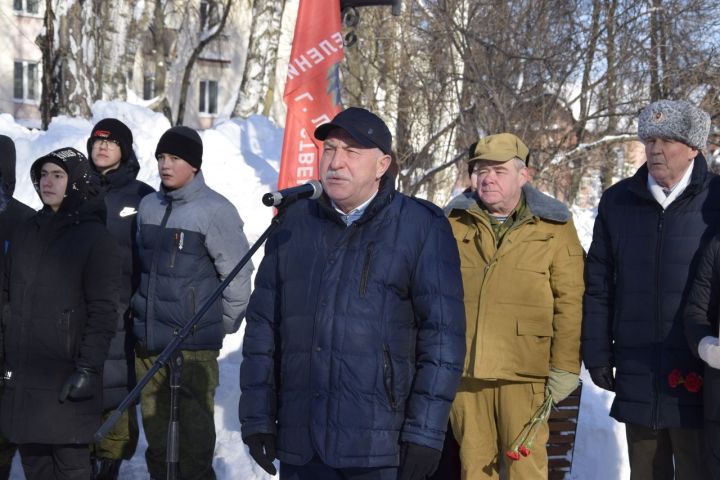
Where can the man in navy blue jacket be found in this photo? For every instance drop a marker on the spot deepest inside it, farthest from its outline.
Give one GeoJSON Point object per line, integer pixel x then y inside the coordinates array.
{"type": "Point", "coordinates": [647, 237]}
{"type": "Point", "coordinates": [355, 331]}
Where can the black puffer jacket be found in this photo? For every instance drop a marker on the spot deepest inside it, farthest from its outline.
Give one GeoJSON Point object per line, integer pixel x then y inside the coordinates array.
{"type": "Point", "coordinates": [12, 212]}
{"type": "Point", "coordinates": [638, 273]}
{"type": "Point", "coordinates": [701, 320]}
{"type": "Point", "coordinates": [122, 197]}
{"type": "Point", "coordinates": [63, 281]}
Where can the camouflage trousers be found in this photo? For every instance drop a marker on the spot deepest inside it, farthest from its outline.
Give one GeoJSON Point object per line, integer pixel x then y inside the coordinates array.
{"type": "Point", "coordinates": [199, 379]}
{"type": "Point", "coordinates": [120, 443]}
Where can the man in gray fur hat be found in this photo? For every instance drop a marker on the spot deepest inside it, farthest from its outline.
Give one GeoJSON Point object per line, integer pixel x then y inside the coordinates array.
{"type": "Point", "coordinates": [647, 237]}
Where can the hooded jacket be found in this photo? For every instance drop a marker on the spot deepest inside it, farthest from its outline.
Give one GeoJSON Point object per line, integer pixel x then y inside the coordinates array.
{"type": "Point", "coordinates": [355, 334]}
{"type": "Point", "coordinates": [12, 212]}
{"type": "Point", "coordinates": [63, 281]}
{"type": "Point", "coordinates": [122, 194]}
{"type": "Point", "coordinates": [523, 299]}
{"type": "Point", "coordinates": [189, 240]}
{"type": "Point", "coordinates": [639, 268]}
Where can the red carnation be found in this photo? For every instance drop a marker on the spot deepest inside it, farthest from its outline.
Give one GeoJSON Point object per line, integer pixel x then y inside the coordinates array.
{"type": "Point", "coordinates": [693, 382]}
{"type": "Point", "coordinates": [513, 454]}
{"type": "Point", "coordinates": [675, 378]}
{"type": "Point", "coordinates": [524, 451]}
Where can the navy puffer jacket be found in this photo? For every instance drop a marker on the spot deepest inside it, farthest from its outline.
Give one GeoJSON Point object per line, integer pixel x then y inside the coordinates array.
{"type": "Point", "coordinates": [355, 335]}
{"type": "Point", "coordinates": [638, 273]}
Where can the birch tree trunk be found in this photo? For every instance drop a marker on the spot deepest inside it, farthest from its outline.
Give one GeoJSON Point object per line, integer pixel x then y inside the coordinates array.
{"type": "Point", "coordinates": [207, 35]}
{"type": "Point", "coordinates": [260, 63]}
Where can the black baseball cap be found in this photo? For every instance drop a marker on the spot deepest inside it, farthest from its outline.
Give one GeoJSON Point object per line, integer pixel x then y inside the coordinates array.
{"type": "Point", "coordinates": [364, 126]}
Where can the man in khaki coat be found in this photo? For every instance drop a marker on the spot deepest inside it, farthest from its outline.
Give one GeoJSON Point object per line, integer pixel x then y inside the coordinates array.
{"type": "Point", "coordinates": [522, 268]}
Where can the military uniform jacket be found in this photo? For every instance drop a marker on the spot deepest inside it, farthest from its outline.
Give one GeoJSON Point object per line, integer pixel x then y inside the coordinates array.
{"type": "Point", "coordinates": [523, 299]}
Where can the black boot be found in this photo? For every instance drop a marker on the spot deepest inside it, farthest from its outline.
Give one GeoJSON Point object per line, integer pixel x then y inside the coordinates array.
{"type": "Point", "coordinates": [106, 468]}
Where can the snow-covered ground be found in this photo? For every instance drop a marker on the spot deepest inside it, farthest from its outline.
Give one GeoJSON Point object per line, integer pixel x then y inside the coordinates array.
{"type": "Point", "coordinates": [240, 161]}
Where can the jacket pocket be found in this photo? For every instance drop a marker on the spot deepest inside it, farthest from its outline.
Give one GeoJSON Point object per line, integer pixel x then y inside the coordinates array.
{"type": "Point", "coordinates": [176, 246]}
{"type": "Point", "coordinates": [389, 377]}
{"type": "Point", "coordinates": [366, 270]}
{"type": "Point", "coordinates": [532, 346]}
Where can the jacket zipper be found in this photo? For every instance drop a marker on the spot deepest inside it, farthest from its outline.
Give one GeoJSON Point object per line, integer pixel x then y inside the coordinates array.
{"type": "Point", "coordinates": [366, 270]}
{"type": "Point", "coordinates": [656, 380]}
{"type": "Point", "coordinates": [389, 377]}
{"type": "Point", "coordinates": [152, 281]}
{"type": "Point", "coordinates": [192, 302]}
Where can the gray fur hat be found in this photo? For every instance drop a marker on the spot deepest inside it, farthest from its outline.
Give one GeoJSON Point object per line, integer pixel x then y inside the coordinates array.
{"type": "Point", "coordinates": [676, 120]}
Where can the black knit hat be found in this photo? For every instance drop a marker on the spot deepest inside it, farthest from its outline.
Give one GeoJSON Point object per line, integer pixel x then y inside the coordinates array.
{"type": "Point", "coordinates": [182, 142]}
{"type": "Point", "coordinates": [112, 129]}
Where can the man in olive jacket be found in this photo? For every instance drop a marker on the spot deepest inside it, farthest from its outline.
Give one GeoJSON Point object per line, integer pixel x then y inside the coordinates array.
{"type": "Point", "coordinates": [522, 268]}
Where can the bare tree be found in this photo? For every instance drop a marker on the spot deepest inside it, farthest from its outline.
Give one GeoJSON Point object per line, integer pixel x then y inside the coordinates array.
{"type": "Point", "coordinates": [259, 72]}
{"type": "Point", "coordinates": [561, 74]}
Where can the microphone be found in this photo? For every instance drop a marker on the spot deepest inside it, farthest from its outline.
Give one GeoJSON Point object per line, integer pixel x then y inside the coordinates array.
{"type": "Point", "coordinates": [312, 190]}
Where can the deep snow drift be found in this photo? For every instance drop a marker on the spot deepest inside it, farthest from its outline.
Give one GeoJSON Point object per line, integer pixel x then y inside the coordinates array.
{"type": "Point", "coordinates": [240, 161]}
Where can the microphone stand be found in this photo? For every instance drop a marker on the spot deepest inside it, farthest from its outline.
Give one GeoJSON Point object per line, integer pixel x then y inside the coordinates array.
{"type": "Point", "coordinates": [172, 357]}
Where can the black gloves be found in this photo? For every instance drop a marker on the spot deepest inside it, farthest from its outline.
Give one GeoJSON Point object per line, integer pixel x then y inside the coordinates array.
{"type": "Point", "coordinates": [80, 384]}
{"type": "Point", "coordinates": [417, 462]}
{"type": "Point", "coordinates": [262, 450]}
{"type": "Point", "coordinates": [603, 377]}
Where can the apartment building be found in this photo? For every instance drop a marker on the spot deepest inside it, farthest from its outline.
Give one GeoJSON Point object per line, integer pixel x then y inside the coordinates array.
{"type": "Point", "coordinates": [213, 84]}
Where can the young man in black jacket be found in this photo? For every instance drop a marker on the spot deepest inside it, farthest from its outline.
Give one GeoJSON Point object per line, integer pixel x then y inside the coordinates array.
{"type": "Point", "coordinates": [110, 149]}
{"type": "Point", "coordinates": [12, 214]}
{"type": "Point", "coordinates": [62, 279]}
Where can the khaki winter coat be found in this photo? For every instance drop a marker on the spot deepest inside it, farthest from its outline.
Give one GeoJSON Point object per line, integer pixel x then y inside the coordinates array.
{"type": "Point", "coordinates": [523, 300]}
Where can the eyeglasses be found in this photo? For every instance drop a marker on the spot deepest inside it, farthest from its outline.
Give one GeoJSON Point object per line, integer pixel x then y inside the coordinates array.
{"type": "Point", "coordinates": [106, 143]}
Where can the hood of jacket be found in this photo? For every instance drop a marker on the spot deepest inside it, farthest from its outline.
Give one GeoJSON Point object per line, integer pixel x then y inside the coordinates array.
{"type": "Point", "coordinates": [82, 194]}
{"type": "Point", "coordinates": [126, 172]}
{"type": "Point", "coordinates": [7, 166]}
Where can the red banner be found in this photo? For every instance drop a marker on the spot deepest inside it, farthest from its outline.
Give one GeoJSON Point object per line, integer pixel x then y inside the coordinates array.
{"type": "Point", "coordinates": [312, 89]}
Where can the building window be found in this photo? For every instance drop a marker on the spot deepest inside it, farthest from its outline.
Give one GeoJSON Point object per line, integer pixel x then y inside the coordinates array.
{"type": "Point", "coordinates": [26, 6]}
{"type": "Point", "coordinates": [208, 96]}
{"type": "Point", "coordinates": [148, 88]}
{"type": "Point", "coordinates": [208, 14]}
{"type": "Point", "coordinates": [25, 81]}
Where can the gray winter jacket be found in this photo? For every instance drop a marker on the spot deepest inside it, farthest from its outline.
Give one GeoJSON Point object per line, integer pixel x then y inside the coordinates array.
{"type": "Point", "coordinates": [189, 240]}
